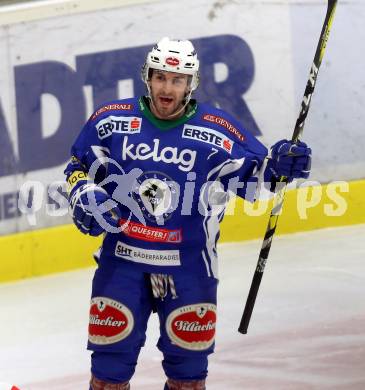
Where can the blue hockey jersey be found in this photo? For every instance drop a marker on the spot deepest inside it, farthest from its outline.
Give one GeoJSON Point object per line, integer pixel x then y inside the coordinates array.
{"type": "Point", "coordinates": [172, 180]}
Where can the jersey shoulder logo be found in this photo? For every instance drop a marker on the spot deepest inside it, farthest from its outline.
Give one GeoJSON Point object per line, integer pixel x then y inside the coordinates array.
{"type": "Point", "coordinates": [209, 136]}
{"type": "Point", "coordinates": [224, 123]}
{"type": "Point", "coordinates": [112, 107]}
{"type": "Point", "coordinates": [118, 124]}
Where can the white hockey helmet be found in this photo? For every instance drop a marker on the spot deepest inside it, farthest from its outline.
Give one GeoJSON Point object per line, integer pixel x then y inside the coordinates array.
{"type": "Point", "coordinates": [173, 56]}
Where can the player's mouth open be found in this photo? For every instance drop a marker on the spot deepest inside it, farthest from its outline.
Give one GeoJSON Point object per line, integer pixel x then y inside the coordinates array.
{"type": "Point", "coordinates": [165, 100]}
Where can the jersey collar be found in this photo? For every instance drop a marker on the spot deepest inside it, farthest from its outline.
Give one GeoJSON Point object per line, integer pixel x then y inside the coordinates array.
{"type": "Point", "coordinates": [167, 124]}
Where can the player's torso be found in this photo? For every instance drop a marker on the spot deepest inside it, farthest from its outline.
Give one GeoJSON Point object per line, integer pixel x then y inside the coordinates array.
{"type": "Point", "coordinates": [171, 168]}
{"type": "Point", "coordinates": [171, 160]}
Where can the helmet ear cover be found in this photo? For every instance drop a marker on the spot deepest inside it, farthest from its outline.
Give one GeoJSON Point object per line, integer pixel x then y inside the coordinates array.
{"type": "Point", "coordinates": [149, 75]}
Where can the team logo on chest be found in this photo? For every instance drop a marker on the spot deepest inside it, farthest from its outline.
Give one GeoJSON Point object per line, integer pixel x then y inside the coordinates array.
{"type": "Point", "coordinates": [184, 159]}
{"type": "Point", "coordinates": [157, 195]}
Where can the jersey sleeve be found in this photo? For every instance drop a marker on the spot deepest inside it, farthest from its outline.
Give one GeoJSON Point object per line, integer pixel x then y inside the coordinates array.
{"type": "Point", "coordinates": [242, 176]}
{"type": "Point", "coordinates": [244, 170]}
{"type": "Point", "coordinates": [240, 172]}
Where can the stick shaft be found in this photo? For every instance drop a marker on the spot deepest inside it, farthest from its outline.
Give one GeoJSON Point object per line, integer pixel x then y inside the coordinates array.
{"type": "Point", "coordinates": [312, 79]}
{"type": "Point", "coordinates": [279, 199]}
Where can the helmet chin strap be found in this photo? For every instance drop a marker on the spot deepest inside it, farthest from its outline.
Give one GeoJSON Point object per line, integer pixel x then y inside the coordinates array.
{"type": "Point", "coordinates": [177, 112]}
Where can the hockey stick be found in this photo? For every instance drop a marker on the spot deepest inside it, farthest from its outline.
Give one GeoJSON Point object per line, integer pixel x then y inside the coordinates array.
{"type": "Point", "coordinates": [278, 202]}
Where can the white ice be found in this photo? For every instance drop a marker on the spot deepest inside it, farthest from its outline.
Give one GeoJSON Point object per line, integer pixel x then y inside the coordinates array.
{"type": "Point", "coordinates": [307, 330]}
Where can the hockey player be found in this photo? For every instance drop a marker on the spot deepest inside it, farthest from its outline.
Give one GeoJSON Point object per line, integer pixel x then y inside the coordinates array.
{"type": "Point", "coordinates": [154, 174]}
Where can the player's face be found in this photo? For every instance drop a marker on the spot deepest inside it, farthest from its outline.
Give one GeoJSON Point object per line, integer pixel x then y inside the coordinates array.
{"type": "Point", "coordinates": [168, 90]}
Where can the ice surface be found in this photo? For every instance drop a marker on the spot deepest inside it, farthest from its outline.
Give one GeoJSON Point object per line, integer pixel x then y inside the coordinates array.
{"type": "Point", "coordinates": [307, 330]}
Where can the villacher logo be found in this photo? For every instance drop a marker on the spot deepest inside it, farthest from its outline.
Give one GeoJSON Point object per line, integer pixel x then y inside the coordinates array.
{"type": "Point", "coordinates": [110, 321]}
{"type": "Point", "coordinates": [192, 327]}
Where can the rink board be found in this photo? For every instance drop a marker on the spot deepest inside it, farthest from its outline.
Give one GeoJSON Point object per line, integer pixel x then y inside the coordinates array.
{"type": "Point", "coordinates": [64, 248]}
